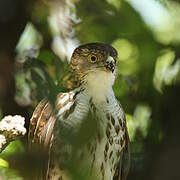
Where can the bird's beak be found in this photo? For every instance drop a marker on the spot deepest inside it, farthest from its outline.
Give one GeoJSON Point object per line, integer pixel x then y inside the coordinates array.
{"type": "Point", "coordinates": [110, 64]}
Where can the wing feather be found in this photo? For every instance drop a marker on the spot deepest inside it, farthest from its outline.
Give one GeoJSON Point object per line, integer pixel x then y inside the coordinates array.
{"type": "Point", "coordinates": [125, 160]}
{"type": "Point", "coordinates": [124, 165]}
{"type": "Point", "coordinates": [41, 128]}
{"type": "Point", "coordinates": [40, 135]}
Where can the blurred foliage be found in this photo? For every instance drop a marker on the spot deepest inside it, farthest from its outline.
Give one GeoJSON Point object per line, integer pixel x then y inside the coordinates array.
{"type": "Point", "coordinates": [12, 148]}
{"type": "Point", "coordinates": [0, 114]}
{"type": "Point", "coordinates": [140, 121]}
{"type": "Point", "coordinates": [165, 72]}
{"type": "Point", "coordinates": [146, 35]}
{"type": "Point", "coordinates": [7, 172]}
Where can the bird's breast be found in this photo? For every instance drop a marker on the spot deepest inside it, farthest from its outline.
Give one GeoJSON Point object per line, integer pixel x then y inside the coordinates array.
{"type": "Point", "coordinates": [98, 139]}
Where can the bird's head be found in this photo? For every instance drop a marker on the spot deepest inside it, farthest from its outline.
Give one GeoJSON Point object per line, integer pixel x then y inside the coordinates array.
{"type": "Point", "coordinates": [94, 64]}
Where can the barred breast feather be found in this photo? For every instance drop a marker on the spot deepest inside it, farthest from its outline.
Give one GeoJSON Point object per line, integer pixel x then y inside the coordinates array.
{"type": "Point", "coordinates": [104, 147]}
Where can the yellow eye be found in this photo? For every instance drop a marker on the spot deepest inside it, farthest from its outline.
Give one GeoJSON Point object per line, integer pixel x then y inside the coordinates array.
{"type": "Point", "coordinates": [92, 58]}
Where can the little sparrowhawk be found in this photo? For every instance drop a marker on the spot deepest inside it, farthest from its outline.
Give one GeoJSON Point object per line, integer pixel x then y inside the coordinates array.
{"type": "Point", "coordinates": [85, 134]}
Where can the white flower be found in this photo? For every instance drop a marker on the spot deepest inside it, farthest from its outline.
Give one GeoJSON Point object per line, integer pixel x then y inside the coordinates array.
{"type": "Point", "coordinates": [12, 126]}
{"type": "Point", "coordinates": [2, 141]}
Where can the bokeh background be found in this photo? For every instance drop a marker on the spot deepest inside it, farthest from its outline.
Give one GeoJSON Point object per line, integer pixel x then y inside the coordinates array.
{"type": "Point", "coordinates": [36, 42]}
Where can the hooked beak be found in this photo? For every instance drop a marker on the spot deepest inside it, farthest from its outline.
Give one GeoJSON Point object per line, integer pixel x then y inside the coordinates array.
{"type": "Point", "coordinates": [110, 64]}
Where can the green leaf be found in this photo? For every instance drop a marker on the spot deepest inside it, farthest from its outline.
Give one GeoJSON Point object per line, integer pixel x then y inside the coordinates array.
{"type": "Point", "coordinates": [4, 163]}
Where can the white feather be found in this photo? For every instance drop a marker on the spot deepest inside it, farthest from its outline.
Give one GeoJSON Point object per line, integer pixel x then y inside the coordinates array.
{"type": "Point", "coordinates": [99, 84]}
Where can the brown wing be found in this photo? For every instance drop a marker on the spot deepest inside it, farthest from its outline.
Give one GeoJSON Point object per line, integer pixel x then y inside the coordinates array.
{"type": "Point", "coordinates": [125, 159]}
{"type": "Point", "coordinates": [40, 136]}
{"type": "Point", "coordinates": [42, 125]}
{"type": "Point", "coordinates": [124, 165]}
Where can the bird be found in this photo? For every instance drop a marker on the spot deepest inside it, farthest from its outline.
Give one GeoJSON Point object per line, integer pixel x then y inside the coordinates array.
{"type": "Point", "coordinates": [85, 132]}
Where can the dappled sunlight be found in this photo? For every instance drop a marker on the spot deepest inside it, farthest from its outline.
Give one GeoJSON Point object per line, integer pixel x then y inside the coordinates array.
{"type": "Point", "coordinates": [6, 171]}
{"type": "Point", "coordinates": [61, 20]}
{"type": "Point", "coordinates": [146, 35]}
{"type": "Point", "coordinates": [115, 3]}
{"type": "Point", "coordinates": [163, 20]}
{"type": "Point", "coordinates": [23, 90]}
{"type": "Point", "coordinates": [142, 118]}
{"type": "Point", "coordinates": [170, 34]}
{"type": "Point", "coordinates": [3, 163]}
{"type": "Point", "coordinates": [165, 70]}
{"type": "Point", "coordinates": [30, 39]}
{"type": "Point", "coordinates": [63, 48]}
{"type": "Point", "coordinates": [152, 12]}
{"type": "Point", "coordinates": [139, 121]}
{"type": "Point", "coordinates": [127, 56]}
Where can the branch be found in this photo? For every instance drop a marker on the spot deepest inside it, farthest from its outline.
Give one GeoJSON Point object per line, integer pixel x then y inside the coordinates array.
{"type": "Point", "coordinates": [11, 128]}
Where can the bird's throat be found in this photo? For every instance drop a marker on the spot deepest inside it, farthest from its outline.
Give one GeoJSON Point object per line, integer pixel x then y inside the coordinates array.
{"type": "Point", "coordinates": [99, 85]}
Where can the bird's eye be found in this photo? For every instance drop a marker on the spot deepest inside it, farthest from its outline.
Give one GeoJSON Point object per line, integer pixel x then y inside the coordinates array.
{"type": "Point", "coordinates": [92, 58]}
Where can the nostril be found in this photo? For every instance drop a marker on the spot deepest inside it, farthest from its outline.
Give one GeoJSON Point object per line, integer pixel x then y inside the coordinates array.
{"type": "Point", "coordinates": [107, 61]}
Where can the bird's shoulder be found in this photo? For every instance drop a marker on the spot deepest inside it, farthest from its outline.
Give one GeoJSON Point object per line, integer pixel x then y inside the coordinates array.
{"type": "Point", "coordinates": [44, 117]}
{"type": "Point", "coordinates": [65, 101]}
